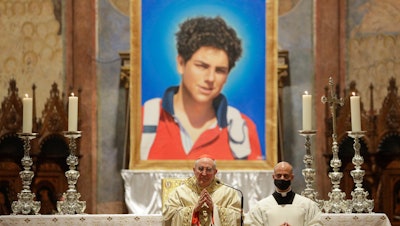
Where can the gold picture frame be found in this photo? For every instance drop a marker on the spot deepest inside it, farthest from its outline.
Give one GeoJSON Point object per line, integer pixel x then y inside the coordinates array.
{"type": "Point", "coordinates": [271, 101]}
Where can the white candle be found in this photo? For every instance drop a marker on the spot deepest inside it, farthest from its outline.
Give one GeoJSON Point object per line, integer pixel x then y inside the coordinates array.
{"type": "Point", "coordinates": [27, 114]}
{"type": "Point", "coordinates": [355, 113]}
{"type": "Point", "coordinates": [307, 99]}
{"type": "Point", "coordinates": [73, 113]}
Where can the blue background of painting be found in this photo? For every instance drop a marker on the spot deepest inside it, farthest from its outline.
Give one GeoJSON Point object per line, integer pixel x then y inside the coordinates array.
{"type": "Point", "coordinates": [245, 88]}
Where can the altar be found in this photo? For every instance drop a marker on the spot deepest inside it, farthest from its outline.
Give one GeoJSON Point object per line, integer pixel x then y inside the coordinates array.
{"type": "Point", "coordinates": [361, 219]}
{"type": "Point", "coordinates": [373, 219]}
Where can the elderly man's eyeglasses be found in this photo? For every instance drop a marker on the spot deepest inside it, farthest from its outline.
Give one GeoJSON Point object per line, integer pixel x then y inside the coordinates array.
{"type": "Point", "coordinates": [208, 170]}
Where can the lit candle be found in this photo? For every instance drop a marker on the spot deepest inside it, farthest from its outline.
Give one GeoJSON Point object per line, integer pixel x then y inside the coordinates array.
{"type": "Point", "coordinates": [27, 114]}
{"type": "Point", "coordinates": [72, 113]}
{"type": "Point", "coordinates": [355, 113]}
{"type": "Point", "coordinates": [307, 98]}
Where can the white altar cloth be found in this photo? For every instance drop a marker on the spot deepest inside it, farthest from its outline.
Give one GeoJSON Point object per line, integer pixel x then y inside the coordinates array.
{"type": "Point", "coordinates": [143, 187]}
{"type": "Point", "coordinates": [83, 219]}
{"type": "Point", "coordinates": [352, 219]}
{"type": "Point", "coordinates": [375, 219]}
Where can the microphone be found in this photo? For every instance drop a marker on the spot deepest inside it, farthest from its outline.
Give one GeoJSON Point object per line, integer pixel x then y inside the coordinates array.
{"type": "Point", "coordinates": [241, 200]}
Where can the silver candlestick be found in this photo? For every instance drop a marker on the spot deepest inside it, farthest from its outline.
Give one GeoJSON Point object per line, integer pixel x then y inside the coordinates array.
{"type": "Point", "coordinates": [336, 202]}
{"type": "Point", "coordinates": [26, 204]}
{"type": "Point", "coordinates": [360, 203]}
{"type": "Point", "coordinates": [70, 203]}
{"type": "Point", "coordinates": [309, 171]}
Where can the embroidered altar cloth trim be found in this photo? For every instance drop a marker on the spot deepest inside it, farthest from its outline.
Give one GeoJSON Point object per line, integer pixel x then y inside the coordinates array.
{"type": "Point", "coordinates": [375, 219]}
{"type": "Point", "coordinates": [353, 219]}
{"type": "Point", "coordinates": [82, 219]}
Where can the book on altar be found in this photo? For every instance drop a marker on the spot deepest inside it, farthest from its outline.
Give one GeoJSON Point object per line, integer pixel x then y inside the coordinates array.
{"type": "Point", "coordinates": [293, 215]}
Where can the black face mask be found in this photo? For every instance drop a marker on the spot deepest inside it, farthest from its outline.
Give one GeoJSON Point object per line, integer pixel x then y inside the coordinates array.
{"type": "Point", "coordinates": [282, 184]}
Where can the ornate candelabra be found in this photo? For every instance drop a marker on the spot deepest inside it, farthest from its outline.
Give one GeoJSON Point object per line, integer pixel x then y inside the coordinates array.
{"type": "Point", "coordinates": [359, 201]}
{"type": "Point", "coordinates": [309, 171]}
{"type": "Point", "coordinates": [25, 203]}
{"type": "Point", "coordinates": [70, 203]}
{"type": "Point", "coordinates": [336, 202]}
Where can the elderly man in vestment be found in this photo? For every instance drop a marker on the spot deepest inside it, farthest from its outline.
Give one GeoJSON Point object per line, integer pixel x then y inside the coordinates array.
{"type": "Point", "coordinates": [284, 207]}
{"type": "Point", "coordinates": [203, 199]}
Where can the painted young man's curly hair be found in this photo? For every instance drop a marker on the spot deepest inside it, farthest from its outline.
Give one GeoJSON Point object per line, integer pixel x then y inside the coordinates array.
{"type": "Point", "coordinates": [203, 31]}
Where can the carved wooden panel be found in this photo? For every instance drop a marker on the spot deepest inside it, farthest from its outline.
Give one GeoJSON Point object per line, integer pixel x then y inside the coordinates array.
{"type": "Point", "coordinates": [11, 111]}
{"type": "Point", "coordinates": [391, 194]}
{"type": "Point", "coordinates": [10, 182]}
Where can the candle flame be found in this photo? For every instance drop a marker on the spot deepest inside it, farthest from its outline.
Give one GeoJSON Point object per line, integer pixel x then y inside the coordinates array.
{"type": "Point", "coordinates": [353, 93]}
{"type": "Point", "coordinates": [26, 95]}
{"type": "Point", "coordinates": [72, 94]}
{"type": "Point", "coordinates": [306, 92]}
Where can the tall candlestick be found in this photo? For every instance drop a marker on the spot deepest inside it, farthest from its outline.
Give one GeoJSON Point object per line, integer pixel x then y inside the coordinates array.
{"type": "Point", "coordinates": [355, 113]}
{"type": "Point", "coordinates": [73, 113]}
{"type": "Point", "coordinates": [307, 98]}
{"type": "Point", "coordinates": [27, 114]}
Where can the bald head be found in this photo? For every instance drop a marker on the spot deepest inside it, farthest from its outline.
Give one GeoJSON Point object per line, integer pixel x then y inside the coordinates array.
{"type": "Point", "coordinates": [204, 170]}
{"type": "Point", "coordinates": [283, 171]}
{"type": "Point", "coordinates": [283, 166]}
{"type": "Point", "coordinates": [205, 159]}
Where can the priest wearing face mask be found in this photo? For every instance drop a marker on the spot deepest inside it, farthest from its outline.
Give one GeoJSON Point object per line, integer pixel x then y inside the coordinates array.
{"type": "Point", "coordinates": [284, 207]}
